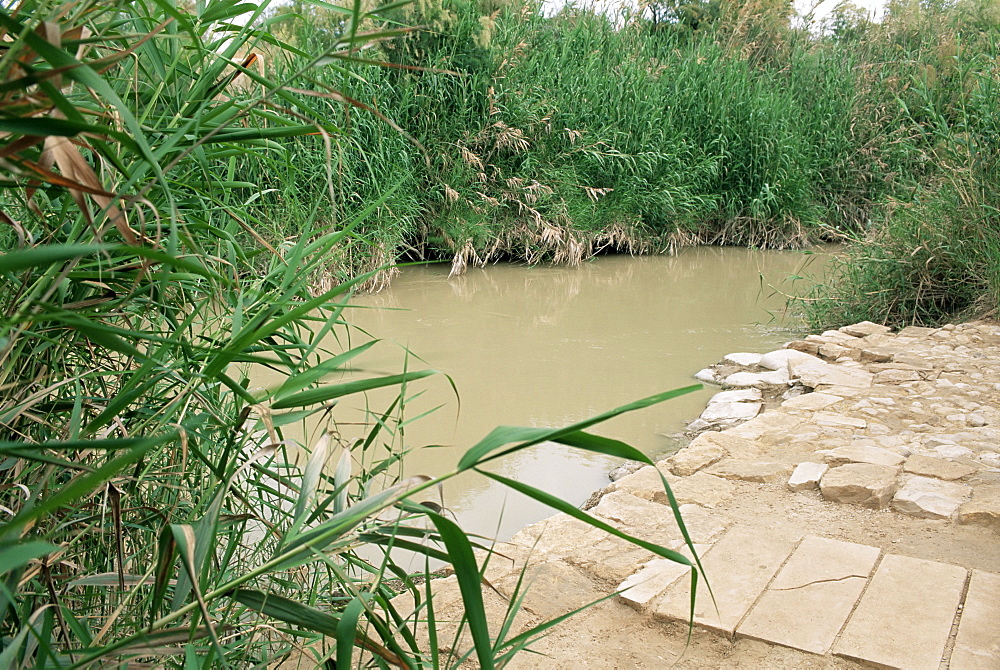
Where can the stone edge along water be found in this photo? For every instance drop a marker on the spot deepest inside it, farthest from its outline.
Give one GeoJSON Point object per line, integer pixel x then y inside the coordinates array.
{"type": "Point", "coordinates": [904, 422]}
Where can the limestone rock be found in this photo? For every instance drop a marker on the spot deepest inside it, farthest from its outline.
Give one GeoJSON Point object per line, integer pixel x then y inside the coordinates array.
{"type": "Point", "coordinates": [916, 331]}
{"type": "Point", "coordinates": [625, 469]}
{"type": "Point", "coordinates": [804, 346]}
{"type": "Point", "coordinates": [708, 376]}
{"type": "Point", "coordinates": [741, 395]}
{"type": "Point", "coordinates": [550, 589]}
{"type": "Point", "coordinates": [838, 336]}
{"type": "Point", "coordinates": [761, 472]}
{"type": "Point", "coordinates": [897, 376]}
{"type": "Point", "coordinates": [814, 373]}
{"type": "Point", "coordinates": [694, 457]}
{"type": "Point", "coordinates": [730, 412]}
{"type": "Point", "coordinates": [654, 577]}
{"type": "Point", "coordinates": [557, 536]}
{"type": "Point", "coordinates": [838, 420]}
{"type": "Point", "coordinates": [860, 483]}
{"type": "Point", "coordinates": [940, 468]}
{"type": "Point", "coordinates": [649, 581]}
{"type": "Point", "coordinates": [744, 359]}
{"type": "Point", "coordinates": [875, 355]}
{"type": "Point", "coordinates": [856, 453]}
{"type": "Point", "coordinates": [734, 446]}
{"type": "Point", "coordinates": [702, 489]}
{"type": "Point", "coordinates": [953, 451]}
{"type": "Point", "coordinates": [832, 352]}
{"type": "Point", "coordinates": [929, 498]}
{"type": "Point", "coordinates": [908, 361]}
{"type": "Point", "coordinates": [865, 328]}
{"type": "Point", "coordinates": [984, 508]}
{"type": "Point", "coordinates": [778, 360]}
{"type": "Point", "coordinates": [644, 483]}
{"type": "Point", "coordinates": [757, 379]}
{"type": "Point", "coordinates": [806, 476]}
{"type": "Point", "coordinates": [811, 401]}
{"type": "Point", "coordinates": [766, 428]}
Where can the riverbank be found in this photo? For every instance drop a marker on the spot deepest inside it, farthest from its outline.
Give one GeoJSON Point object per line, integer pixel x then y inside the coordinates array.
{"type": "Point", "coordinates": [855, 522]}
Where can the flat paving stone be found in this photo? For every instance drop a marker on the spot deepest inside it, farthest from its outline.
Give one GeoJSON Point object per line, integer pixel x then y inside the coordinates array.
{"type": "Point", "coordinates": [811, 401]}
{"type": "Point", "coordinates": [739, 568]}
{"type": "Point", "coordinates": [655, 576]}
{"type": "Point", "coordinates": [977, 646]}
{"type": "Point", "coordinates": [905, 617]}
{"type": "Point", "coordinates": [761, 472]}
{"type": "Point", "coordinates": [811, 598]}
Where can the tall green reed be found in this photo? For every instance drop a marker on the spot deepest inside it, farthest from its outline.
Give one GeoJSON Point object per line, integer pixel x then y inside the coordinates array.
{"type": "Point", "coordinates": [153, 509]}
{"type": "Point", "coordinates": [931, 253]}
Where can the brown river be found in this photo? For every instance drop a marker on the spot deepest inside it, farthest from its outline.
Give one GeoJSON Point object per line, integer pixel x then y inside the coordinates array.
{"type": "Point", "coordinates": [547, 346]}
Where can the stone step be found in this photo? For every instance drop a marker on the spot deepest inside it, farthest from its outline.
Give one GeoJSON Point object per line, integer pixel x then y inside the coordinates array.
{"type": "Point", "coordinates": [739, 567]}
{"type": "Point", "coordinates": [810, 599]}
{"type": "Point", "coordinates": [977, 645]}
{"type": "Point", "coordinates": [905, 617]}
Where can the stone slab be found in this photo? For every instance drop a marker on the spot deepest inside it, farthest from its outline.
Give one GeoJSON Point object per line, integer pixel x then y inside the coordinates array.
{"type": "Point", "coordinates": [832, 420]}
{"type": "Point", "coordinates": [766, 427]}
{"type": "Point", "coordinates": [644, 519]}
{"type": "Point", "coordinates": [778, 360]}
{"type": "Point", "coordinates": [804, 346]}
{"type": "Point", "coordinates": [739, 568]}
{"type": "Point", "coordinates": [984, 508]}
{"type": "Point", "coordinates": [897, 376]}
{"type": "Point", "coordinates": [811, 401]}
{"type": "Point", "coordinates": [762, 472]}
{"type": "Point", "coordinates": [816, 373]}
{"type": "Point", "coordinates": [806, 476]}
{"type": "Point", "coordinates": [708, 376]}
{"type": "Point", "coordinates": [738, 395]}
{"type": "Point", "coordinates": [861, 484]}
{"type": "Point", "coordinates": [737, 447]}
{"type": "Point", "coordinates": [860, 453]}
{"type": "Point", "coordinates": [905, 617]}
{"type": "Point", "coordinates": [742, 358]}
{"type": "Point", "coordinates": [940, 468]}
{"type": "Point", "coordinates": [718, 412]}
{"type": "Point", "coordinates": [644, 483]}
{"type": "Point", "coordinates": [693, 458]}
{"type": "Point", "coordinates": [655, 522]}
{"type": "Point", "coordinates": [865, 328]}
{"type": "Point", "coordinates": [930, 498]}
{"type": "Point", "coordinates": [556, 536]}
{"type": "Point", "coordinates": [835, 351]}
{"type": "Point", "coordinates": [702, 489]}
{"type": "Point", "coordinates": [808, 602]}
{"type": "Point", "coordinates": [654, 577]}
{"type": "Point", "coordinates": [550, 589]}
{"type": "Point", "coordinates": [757, 379]}
{"type": "Point", "coordinates": [977, 646]}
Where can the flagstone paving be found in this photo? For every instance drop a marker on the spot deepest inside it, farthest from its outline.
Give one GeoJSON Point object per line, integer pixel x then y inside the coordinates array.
{"type": "Point", "coordinates": [855, 522]}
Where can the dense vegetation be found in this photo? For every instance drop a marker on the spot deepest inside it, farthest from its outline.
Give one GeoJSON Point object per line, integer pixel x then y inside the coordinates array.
{"type": "Point", "coordinates": [185, 196]}
{"type": "Point", "coordinates": [157, 507]}
{"type": "Point", "coordinates": [538, 138]}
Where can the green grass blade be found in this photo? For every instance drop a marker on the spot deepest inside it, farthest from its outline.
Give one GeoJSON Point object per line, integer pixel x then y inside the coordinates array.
{"type": "Point", "coordinates": [469, 583]}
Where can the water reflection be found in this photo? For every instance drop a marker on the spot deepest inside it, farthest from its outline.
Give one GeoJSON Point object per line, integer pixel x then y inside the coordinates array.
{"type": "Point", "coordinates": [547, 346]}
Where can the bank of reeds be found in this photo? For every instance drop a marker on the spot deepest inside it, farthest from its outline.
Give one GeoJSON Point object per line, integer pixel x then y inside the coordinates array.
{"type": "Point", "coordinates": [931, 251]}
{"type": "Point", "coordinates": [539, 138]}
{"type": "Point", "coordinates": [153, 512]}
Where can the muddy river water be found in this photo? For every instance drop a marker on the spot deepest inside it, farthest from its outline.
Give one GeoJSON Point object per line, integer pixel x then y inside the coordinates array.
{"type": "Point", "coordinates": [547, 346]}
